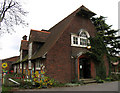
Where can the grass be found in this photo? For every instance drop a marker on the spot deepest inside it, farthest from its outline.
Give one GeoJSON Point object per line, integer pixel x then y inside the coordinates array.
{"type": "Point", "coordinates": [6, 89]}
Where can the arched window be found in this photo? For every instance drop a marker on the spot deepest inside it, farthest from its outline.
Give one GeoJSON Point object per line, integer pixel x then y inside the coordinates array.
{"type": "Point", "coordinates": [80, 40]}
{"type": "Point", "coordinates": [83, 35]}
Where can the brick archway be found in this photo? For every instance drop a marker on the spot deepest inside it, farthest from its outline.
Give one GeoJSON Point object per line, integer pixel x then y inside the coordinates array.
{"type": "Point", "coordinates": [91, 68]}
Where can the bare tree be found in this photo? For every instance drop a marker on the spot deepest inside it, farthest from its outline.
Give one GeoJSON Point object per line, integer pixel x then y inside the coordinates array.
{"type": "Point", "coordinates": [11, 13]}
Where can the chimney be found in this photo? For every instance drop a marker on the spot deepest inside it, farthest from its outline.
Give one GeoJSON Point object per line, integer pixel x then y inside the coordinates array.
{"type": "Point", "coordinates": [24, 37]}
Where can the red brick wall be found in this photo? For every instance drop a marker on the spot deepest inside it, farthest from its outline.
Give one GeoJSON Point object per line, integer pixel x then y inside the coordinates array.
{"type": "Point", "coordinates": [59, 63]}
{"type": "Point", "coordinates": [93, 70]}
{"type": "Point", "coordinates": [106, 65]}
{"type": "Point", "coordinates": [9, 62]}
{"type": "Point", "coordinates": [81, 23]}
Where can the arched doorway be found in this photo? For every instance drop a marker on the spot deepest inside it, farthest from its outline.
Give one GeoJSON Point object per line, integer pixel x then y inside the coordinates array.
{"type": "Point", "coordinates": [84, 67]}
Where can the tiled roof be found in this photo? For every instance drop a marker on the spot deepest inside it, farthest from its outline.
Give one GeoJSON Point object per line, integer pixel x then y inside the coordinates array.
{"type": "Point", "coordinates": [38, 36]}
{"type": "Point", "coordinates": [57, 31]}
{"type": "Point", "coordinates": [25, 58]}
{"type": "Point", "coordinates": [11, 59]}
{"type": "Point", "coordinates": [86, 11]}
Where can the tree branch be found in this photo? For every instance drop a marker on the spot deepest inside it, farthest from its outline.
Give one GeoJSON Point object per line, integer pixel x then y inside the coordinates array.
{"type": "Point", "coordinates": [4, 11]}
{"type": "Point", "coordinates": [3, 7]}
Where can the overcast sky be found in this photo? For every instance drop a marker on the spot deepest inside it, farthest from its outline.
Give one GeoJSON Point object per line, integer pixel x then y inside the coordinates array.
{"type": "Point", "coordinates": [43, 14]}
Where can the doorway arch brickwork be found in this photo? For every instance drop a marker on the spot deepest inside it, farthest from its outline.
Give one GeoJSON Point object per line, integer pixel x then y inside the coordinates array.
{"type": "Point", "coordinates": [91, 67]}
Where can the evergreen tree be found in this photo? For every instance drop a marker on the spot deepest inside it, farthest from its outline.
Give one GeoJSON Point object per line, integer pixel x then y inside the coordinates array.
{"type": "Point", "coordinates": [111, 40]}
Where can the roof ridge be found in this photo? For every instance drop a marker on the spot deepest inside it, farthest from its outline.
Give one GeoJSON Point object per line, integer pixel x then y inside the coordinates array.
{"type": "Point", "coordinates": [41, 31]}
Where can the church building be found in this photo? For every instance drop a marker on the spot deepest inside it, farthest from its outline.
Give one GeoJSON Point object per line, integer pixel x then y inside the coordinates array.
{"type": "Point", "coordinates": [61, 51]}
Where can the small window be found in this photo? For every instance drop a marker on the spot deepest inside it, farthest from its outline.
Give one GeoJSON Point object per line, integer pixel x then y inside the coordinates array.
{"type": "Point", "coordinates": [24, 65]}
{"type": "Point", "coordinates": [83, 41]}
{"type": "Point", "coordinates": [84, 38]}
{"type": "Point", "coordinates": [75, 40]}
{"type": "Point", "coordinates": [15, 69]}
{"type": "Point", "coordinates": [18, 68]}
{"type": "Point", "coordinates": [30, 64]}
{"type": "Point", "coordinates": [38, 65]}
{"type": "Point", "coordinates": [20, 65]}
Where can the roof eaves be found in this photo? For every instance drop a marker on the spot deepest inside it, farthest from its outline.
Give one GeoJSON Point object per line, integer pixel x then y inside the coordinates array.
{"type": "Point", "coordinates": [41, 31]}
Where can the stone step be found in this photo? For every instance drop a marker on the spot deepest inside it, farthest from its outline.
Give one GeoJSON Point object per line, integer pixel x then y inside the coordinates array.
{"type": "Point", "coordinates": [86, 81]}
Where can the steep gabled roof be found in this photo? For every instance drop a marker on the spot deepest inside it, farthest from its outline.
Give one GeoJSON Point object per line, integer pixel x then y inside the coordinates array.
{"type": "Point", "coordinates": [38, 36]}
{"type": "Point", "coordinates": [57, 31]}
{"type": "Point", "coordinates": [85, 12]}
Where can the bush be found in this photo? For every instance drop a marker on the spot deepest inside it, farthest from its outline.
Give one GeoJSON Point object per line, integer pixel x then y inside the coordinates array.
{"type": "Point", "coordinates": [115, 77]}
{"type": "Point", "coordinates": [19, 79]}
{"type": "Point", "coordinates": [108, 79]}
{"type": "Point", "coordinates": [6, 89]}
{"type": "Point", "coordinates": [99, 80]}
{"type": "Point", "coordinates": [26, 84]}
{"type": "Point", "coordinates": [46, 82]}
{"type": "Point", "coordinates": [74, 80]}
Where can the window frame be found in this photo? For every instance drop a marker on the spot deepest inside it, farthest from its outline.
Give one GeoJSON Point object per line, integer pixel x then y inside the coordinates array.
{"type": "Point", "coordinates": [72, 40]}
{"type": "Point", "coordinates": [15, 69]}
{"type": "Point", "coordinates": [24, 66]}
{"type": "Point", "coordinates": [83, 38]}
{"type": "Point", "coordinates": [29, 64]}
{"type": "Point", "coordinates": [20, 65]}
{"type": "Point", "coordinates": [38, 65]}
{"type": "Point", "coordinates": [80, 38]}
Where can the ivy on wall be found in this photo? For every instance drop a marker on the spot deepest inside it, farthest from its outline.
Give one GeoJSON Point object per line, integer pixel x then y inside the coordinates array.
{"type": "Point", "coordinates": [97, 51]}
{"type": "Point", "coordinates": [104, 43]}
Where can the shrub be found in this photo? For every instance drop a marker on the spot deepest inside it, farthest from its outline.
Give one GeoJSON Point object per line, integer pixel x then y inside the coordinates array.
{"type": "Point", "coordinates": [108, 79]}
{"type": "Point", "coordinates": [99, 80]}
{"type": "Point", "coordinates": [115, 77]}
{"type": "Point", "coordinates": [46, 82]}
{"type": "Point", "coordinates": [74, 80]}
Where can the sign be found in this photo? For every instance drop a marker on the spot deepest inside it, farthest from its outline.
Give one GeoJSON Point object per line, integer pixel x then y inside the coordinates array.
{"type": "Point", "coordinates": [4, 65]}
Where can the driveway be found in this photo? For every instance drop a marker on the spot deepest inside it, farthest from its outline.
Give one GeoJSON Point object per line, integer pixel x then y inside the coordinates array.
{"type": "Point", "coordinates": [108, 86]}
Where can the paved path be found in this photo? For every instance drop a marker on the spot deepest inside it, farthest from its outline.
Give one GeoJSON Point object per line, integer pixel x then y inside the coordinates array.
{"type": "Point", "coordinates": [108, 86]}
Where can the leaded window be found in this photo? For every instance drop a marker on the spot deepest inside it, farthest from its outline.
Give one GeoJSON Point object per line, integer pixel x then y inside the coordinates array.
{"type": "Point", "coordinates": [80, 40]}
{"type": "Point", "coordinates": [75, 40]}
